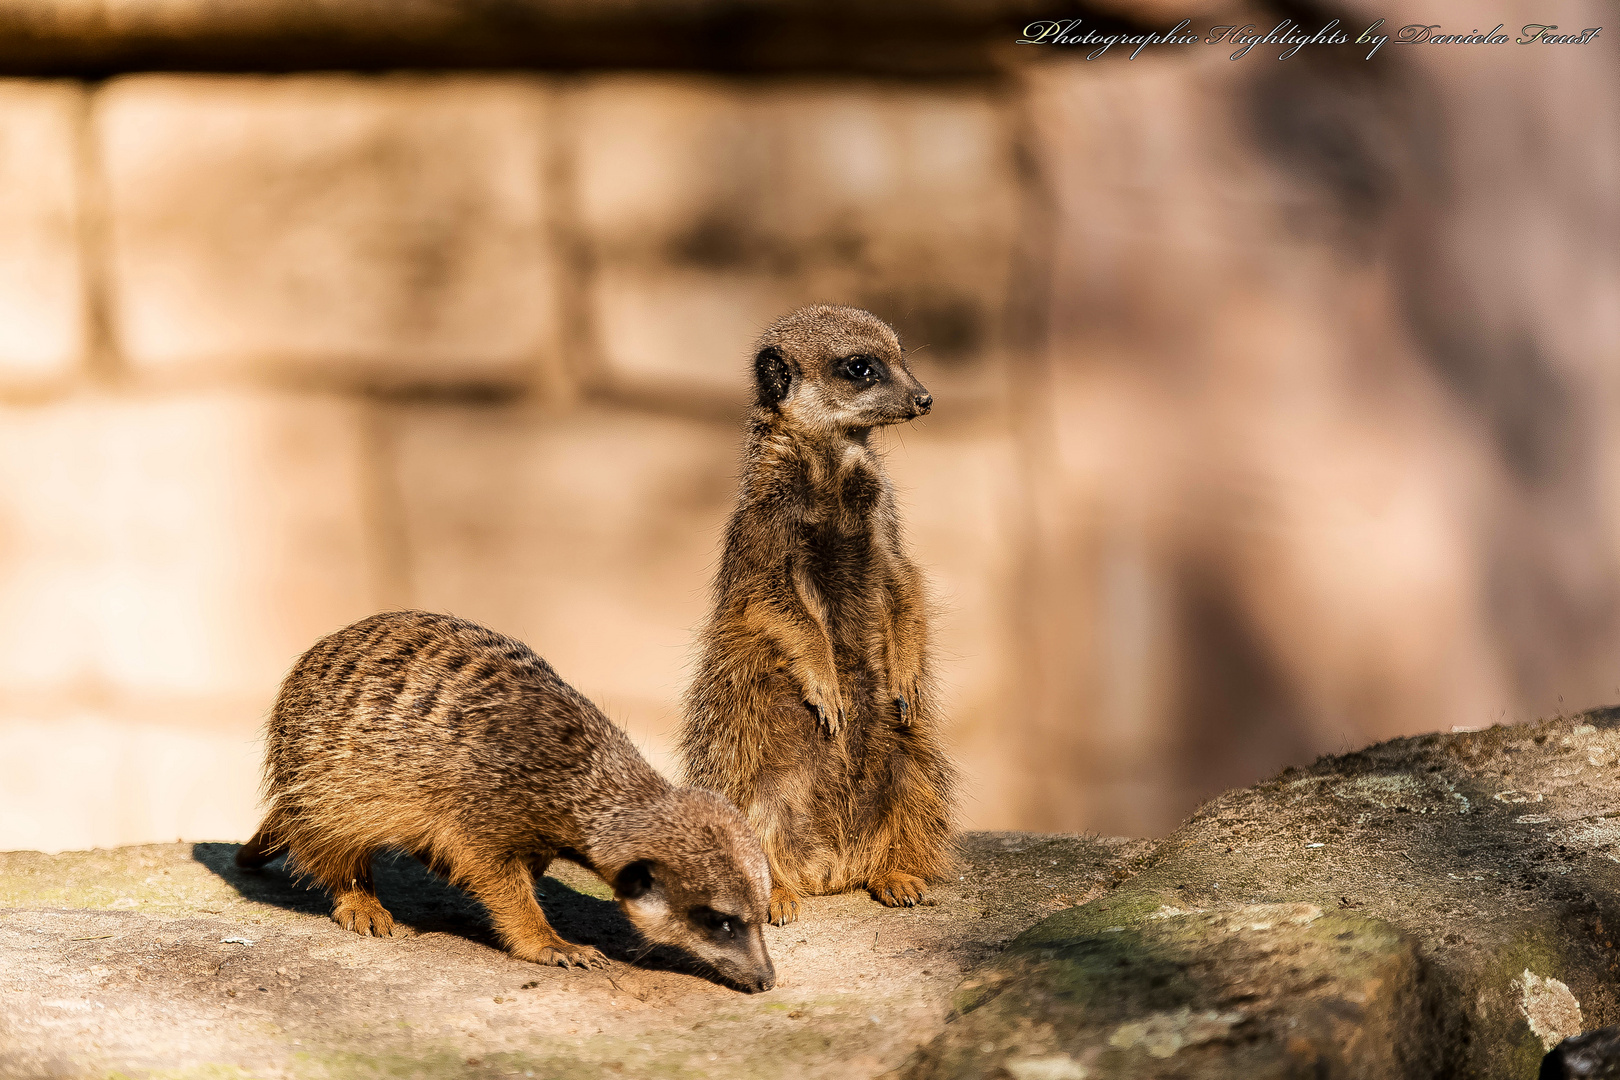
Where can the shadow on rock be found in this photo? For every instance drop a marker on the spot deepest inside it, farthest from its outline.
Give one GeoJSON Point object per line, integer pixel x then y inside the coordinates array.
{"type": "Point", "coordinates": [425, 903]}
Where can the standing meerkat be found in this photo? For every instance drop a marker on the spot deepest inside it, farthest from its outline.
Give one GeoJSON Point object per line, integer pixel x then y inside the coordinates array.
{"type": "Point", "coordinates": [434, 735]}
{"type": "Point", "coordinates": [813, 708]}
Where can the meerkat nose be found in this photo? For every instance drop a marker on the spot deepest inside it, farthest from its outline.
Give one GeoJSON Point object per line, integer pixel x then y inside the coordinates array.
{"type": "Point", "coordinates": [924, 401]}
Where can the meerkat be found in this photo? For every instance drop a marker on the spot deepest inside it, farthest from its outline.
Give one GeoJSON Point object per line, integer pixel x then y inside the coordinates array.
{"type": "Point", "coordinates": [813, 708]}
{"type": "Point", "coordinates": [434, 735]}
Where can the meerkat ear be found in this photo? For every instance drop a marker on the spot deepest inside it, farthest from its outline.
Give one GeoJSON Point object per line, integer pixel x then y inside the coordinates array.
{"type": "Point", "coordinates": [634, 881]}
{"type": "Point", "coordinates": [773, 378]}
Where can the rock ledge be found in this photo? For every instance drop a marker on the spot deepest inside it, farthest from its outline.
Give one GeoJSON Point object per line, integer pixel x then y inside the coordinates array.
{"type": "Point", "coordinates": [1440, 905]}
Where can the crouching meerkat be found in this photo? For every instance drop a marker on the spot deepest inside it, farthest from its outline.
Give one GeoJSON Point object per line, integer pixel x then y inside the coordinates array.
{"type": "Point", "coordinates": [813, 708]}
{"type": "Point", "coordinates": [433, 735]}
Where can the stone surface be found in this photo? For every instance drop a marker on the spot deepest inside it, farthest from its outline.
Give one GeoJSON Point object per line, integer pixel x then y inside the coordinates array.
{"type": "Point", "coordinates": [42, 287]}
{"type": "Point", "coordinates": [164, 561]}
{"type": "Point", "coordinates": [1440, 905]}
{"type": "Point", "coordinates": [1433, 906]}
{"type": "Point", "coordinates": [767, 199]}
{"type": "Point", "coordinates": [381, 231]}
{"type": "Point", "coordinates": [122, 962]}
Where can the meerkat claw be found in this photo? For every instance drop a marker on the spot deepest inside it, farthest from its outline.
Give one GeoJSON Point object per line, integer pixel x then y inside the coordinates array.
{"type": "Point", "coordinates": [784, 907]}
{"type": "Point", "coordinates": [364, 916]}
{"type": "Point", "coordinates": [566, 956]}
{"type": "Point", "coordinates": [903, 709]}
{"type": "Point", "coordinates": [829, 725]}
{"type": "Point", "coordinates": [896, 889]}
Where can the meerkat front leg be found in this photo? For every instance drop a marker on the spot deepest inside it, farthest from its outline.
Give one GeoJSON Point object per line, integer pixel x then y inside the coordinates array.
{"type": "Point", "coordinates": [905, 639]}
{"type": "Point", "coordinates": [791, 620]}
{"type": "Point", "coordinates": [506, 889]}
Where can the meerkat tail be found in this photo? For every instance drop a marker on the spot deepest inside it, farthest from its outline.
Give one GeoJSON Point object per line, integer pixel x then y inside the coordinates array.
{"type": "Point", "coordinates": [264, 847]}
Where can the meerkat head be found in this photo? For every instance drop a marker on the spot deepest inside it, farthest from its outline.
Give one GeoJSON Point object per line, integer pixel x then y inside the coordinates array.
{"type": "Point", "coordinates": [689, 872]}
{"type": "Point", "coordinates": [830, 368]}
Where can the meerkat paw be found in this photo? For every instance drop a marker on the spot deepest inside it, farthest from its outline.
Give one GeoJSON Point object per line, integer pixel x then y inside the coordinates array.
{"type": "Point", "coordinates": [364, 915]}
{"type": "Point", "coordinates": [784, 906]}
{"type": "Point", "coordinates": [895, 889]}
{"type": "Point", "coordinates": [903, 692]}
{"type": "Point", "coordinates": [563, 954]}
{"type": "Point", "coordinates": [828, 710]}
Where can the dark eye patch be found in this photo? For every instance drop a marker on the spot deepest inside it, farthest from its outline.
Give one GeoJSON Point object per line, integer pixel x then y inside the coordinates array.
{"type": "Point", "coordinates": [862, 368]}
{"type": "Point", "coordinates": [721, 927]}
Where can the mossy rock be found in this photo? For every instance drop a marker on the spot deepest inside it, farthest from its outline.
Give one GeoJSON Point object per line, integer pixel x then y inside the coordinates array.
{"type": "Point", "coordinates": [1432, 906]}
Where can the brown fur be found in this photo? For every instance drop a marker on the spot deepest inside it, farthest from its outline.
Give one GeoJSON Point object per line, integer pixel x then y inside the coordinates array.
{"type": "Point", "coordinates": [437, 736]}
{"type": "Point", "coordinates": [813, 708]}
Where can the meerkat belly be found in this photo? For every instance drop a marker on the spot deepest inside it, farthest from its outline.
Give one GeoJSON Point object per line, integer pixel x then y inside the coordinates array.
{"type": "Point", "coordinates": [855, 628]}
{"type": "Point", "coordinates": [846, 574]}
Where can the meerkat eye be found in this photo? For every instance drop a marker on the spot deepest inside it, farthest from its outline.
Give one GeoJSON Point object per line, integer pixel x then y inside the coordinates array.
{"type": "Point", "coordinates": [861, 368]}
{"type": "Point", "coordinates": [717, 923]}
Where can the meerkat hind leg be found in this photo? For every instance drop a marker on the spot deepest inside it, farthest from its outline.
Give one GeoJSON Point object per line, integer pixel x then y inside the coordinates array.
{"type": "Point", "coordinates": [911, 828]}
{"type": "Point", "coordinates": [785, 905]}
{"type": "Point", "coordinates": [507, 891]}
{"type": "Point", "coordinates": [355, 905]}
{"type": "Point", "coordinates": [897, 889]}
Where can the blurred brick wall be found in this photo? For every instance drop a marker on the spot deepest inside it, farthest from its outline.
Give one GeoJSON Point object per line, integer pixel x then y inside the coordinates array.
{"type": "Point", "coordinates": [1328, 409]}
{"type": "Point", "coordinates": [1218, 478]}
{"type": "Point", "coordinates": [281, 351]}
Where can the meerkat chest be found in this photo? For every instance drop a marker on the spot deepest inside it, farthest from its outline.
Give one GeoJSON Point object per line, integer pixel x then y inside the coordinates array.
{"type": "Point", "coordinates": [849, 494]}
{"type": "Point", "coordinates": [848, 535]}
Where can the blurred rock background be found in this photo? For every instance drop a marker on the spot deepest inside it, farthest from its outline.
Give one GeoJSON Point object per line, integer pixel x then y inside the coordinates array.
{"type": "Point", "coordinates": [1276, 400]}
